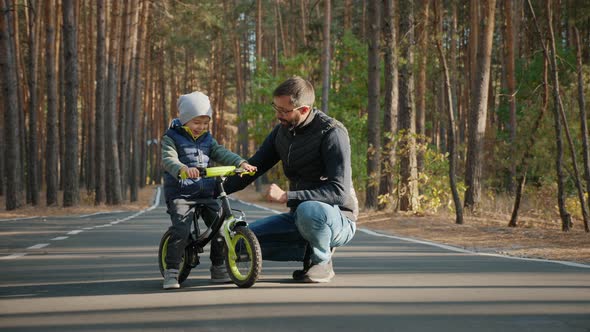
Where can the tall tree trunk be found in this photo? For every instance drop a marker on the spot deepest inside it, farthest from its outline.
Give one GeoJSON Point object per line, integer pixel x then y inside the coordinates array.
{"type": "Point", "coordinates": [388, 167]}
{"type": "Point", "coordinates": [113, 175]}
{"type": "Point", "coordinates": [479, 106]}
{"type": "Point", "coordinates": [583, 119]}
{"type": "Point", "coordinates": [12, 159]}
{"type": "Point", "coordinates": [407, 113]}
{"type": "Point", "coordinates": [421, 85]}
{"type": "Point", "coordinates": [561, 112]}
{"type": "Point", "coordinates": [529, 151]}
{"type": "Point", "coordinates": [136, 139]}
{"type": "Point", "coordinates": [33, 162]}
{"type": "Point", "coordinates": [373, 152]}
{"type": "Point", "coordinates": [511, 83]}
{"type": "Point", "coordinates": [566, 222]}
{"type": "Point", "coordinates": [451, 134]}
{"type": "Point", "coordinates": [259, 35]}
{"type": "Point", "coordinates": [52, 141]}
{"type": "Point", "coordinates": [99, 158]}
{"type": "Point", "coordinates": [71, 185]}
{"type": "Point", "coordinates": [326, 55]}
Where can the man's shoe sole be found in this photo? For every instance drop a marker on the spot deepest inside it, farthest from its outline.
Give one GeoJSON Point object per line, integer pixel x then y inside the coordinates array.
{"type": "Point", "coordinates": [309, 279]}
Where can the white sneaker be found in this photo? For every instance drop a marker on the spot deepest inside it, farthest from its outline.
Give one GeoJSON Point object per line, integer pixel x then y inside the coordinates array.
{"type": "Point", "coordinates": [171, 279]}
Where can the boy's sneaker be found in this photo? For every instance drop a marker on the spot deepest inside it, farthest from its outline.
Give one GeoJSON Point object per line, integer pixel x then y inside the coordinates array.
{"type": "Point", "coordinates": [319, 273]}
{"type": "Point", "coordinates": [171, 279]}
{"type": "Point", "coordinates": [219, 274]}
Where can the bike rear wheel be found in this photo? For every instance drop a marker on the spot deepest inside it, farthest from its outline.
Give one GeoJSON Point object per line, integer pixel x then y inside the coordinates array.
{"type": "Point", "coordinates": [184, 268]}
{"type": "Point", "coordinates": [244, 268]}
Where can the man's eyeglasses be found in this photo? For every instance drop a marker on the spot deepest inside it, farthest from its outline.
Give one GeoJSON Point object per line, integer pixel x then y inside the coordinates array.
{"type": "Point", "coordinates": [283, 111]}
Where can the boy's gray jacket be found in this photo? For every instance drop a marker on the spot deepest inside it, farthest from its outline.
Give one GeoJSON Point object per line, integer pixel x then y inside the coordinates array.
{"type": "Point", "coordinates": [316, 160]}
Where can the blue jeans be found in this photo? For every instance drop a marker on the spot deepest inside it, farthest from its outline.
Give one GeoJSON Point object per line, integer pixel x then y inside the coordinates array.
{"type": "Point", "coordinates": [283, 237]}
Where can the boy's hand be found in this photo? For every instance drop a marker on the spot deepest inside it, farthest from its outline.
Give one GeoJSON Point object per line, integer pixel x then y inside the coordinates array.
{"type": "Point", "coordinates": [276, 194]}
{"type": "Point", "coordinates": [186, 172]}
{"type": "Point", "coordinates": [248, 167]}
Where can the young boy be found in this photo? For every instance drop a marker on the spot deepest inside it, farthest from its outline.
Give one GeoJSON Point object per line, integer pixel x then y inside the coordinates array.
{"type": "Point", "coordinates": [187, 146]}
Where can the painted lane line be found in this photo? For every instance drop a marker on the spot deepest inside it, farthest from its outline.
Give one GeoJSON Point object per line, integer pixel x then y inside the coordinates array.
{"type": "Point", "coordinates": [446, 247]}
{"type": "Point", "coordinates": [42, 245]}
{"type": "Point", "coordinates": [39, 246]}
{"type": "Point", "coordinates": [465, 251]}
{"type": "Point", "coordinates": [13, 256]}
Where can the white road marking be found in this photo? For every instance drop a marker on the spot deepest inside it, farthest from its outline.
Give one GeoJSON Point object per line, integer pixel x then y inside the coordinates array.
{"type": "Point", "coordinates": [465, 251]}
{"type": "Point", "coordinates": [39, 246]}
{"type": "Point", "coordinates": [59, 238]}
{"type": "Point", "coordinates": [78, 231]}
{"type": "Point", "coordinates": [13, 256]}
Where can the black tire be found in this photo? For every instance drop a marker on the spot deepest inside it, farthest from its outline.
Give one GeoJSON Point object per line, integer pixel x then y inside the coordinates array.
{"type": "Point", "coordinates": [245, 267]}
{"type": "Point", "coordinates": [184, 269]}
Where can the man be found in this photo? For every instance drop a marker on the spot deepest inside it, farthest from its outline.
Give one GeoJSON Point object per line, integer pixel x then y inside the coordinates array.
{"type": "Point", "coordinates": [315, 154]}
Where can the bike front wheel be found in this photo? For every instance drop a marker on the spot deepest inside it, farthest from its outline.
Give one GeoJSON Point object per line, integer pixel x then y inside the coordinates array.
{"type": "Point", "coordinates": [245, 266]}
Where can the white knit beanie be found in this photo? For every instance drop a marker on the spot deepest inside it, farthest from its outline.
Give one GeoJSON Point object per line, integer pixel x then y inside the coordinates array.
{"type": "Point", "coordinates": [192, 105]}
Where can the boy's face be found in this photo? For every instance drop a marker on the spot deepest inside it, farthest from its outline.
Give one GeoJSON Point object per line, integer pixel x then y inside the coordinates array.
{"type": "Point", "coordinates": [198, 124]}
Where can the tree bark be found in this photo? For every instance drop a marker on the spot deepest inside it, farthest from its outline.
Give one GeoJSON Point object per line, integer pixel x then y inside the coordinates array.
{"type": "Point", "coordinates": [528, 154]}
{"type": "Point", "coordinates": [478, 114]}
{"type": "Point", "coordinates": [407, 113]}
{"type": "Point", "coordinates": [421, 84]}
{"type": "Point", "coordinates": [388, 159]}
{"type": "Point", "coordinates": [451, 136]}
{"type": "Point", "coordinates": [566, 222]}
{"type": "Point", "coordinates": [511, 84]}
{"type": "Point", "coordinates": [326, 56]}
{"type": "Point", "coordinates": [583, 117]}
{"type": "Point", "coordinates": [113, 175]}
{"type": "Point", "coordinates": [99, 158]}
{"type": "Point", "coordinates": [12, 158]}
{"type": "Point", "coordinates": [52, 141]}
{"type": "Point", "coordinates": [33, 162]}
{"type": "Point", "coordinates": [373, 126]}
{"type": "Point", "coordinates": [71, 185]}
{"type": "Point", "coordinates": [137, 136]}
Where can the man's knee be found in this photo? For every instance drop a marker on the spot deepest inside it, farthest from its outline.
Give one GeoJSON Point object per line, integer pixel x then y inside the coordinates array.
{"type": "Point", "coordinates": [310, 216]}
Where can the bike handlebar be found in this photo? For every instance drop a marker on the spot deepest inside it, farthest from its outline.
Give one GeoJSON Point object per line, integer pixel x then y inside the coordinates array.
{"type": "Point", "coordinates": [211, 172]}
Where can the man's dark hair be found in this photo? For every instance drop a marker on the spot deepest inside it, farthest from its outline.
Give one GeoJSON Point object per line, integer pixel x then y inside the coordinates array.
{"type": "Point", "coordinates": [299, 89]}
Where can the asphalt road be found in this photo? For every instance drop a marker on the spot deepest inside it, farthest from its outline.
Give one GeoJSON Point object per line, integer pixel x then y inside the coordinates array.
{"type": "Point", "coordinates": [100, 273]}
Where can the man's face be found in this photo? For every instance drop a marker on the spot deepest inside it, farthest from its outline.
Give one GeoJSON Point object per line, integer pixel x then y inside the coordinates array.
{"type": "Point", "coordinates": [288, 115]}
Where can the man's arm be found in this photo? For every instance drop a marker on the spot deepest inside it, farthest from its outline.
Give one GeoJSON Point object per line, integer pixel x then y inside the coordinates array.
{"type": "Point", "coordinates": [265, 158]}
{"type": "Point", "coordinates": [335, 152]}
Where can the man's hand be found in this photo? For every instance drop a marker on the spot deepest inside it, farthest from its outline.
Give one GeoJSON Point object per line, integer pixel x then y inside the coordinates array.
{"type": "Point", "coordinates": [276, 194]}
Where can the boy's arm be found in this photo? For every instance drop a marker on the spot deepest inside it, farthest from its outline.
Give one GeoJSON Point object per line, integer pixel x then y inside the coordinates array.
{"type": "Point", "coordinates": [223, 156]}
{"type": "Point", "coordinates": [170, 160]}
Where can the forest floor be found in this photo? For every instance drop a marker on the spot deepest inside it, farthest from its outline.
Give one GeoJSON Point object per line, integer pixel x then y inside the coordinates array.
{"type": "Point", "coordinates": [486, 232]}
